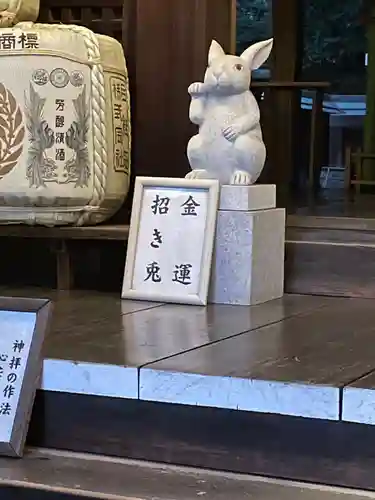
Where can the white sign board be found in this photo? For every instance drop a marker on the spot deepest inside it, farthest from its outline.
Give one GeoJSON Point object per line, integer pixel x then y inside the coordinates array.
{"type": "Point", "coordinates": [21, 340]}
{"type": "Point", "coordinates": [171, 240]}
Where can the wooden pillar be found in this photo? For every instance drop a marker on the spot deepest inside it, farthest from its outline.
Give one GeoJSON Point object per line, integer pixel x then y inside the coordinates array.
{"type": "Point", "coordinates": [368, 172]}
{"type": "Point", "coordinates": [166, 44]}
{"type": "Point", "coordinates": [287, 56]}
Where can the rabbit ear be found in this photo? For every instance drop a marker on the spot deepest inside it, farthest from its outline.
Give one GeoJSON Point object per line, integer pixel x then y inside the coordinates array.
{"type": "Point", "coordinates": [215, 51]}
{"type": "Point", "coordinates": [258, 53]}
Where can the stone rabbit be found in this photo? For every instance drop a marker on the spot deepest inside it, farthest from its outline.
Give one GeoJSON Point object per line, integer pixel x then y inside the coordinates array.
{"type": "Point", "coordinates": [229, 146]}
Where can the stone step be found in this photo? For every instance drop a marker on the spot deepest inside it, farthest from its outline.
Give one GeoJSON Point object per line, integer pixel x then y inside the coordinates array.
{"type": "Point", "coordinates": [54, 475]}
{"type": "Point", "coordinates": [330, 256]}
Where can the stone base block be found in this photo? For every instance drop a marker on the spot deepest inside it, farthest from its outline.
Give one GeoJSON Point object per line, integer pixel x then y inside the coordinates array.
{"type": "Point", "coordinates": [248, 198]}
{"type": "Point", "coordinates": [248, 260]}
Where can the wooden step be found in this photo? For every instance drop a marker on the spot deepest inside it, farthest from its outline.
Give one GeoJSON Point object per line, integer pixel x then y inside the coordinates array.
{"type": "Point", "coordinates": [332, 256]}
{"type": "Point", "coordinates": [248, 390]}
{"type": "Point", "coordinates": [49, 474]}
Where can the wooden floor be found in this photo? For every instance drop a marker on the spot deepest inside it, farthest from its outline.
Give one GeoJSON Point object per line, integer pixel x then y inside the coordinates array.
{"type": "Point", "coordinates": [292, 356]}
{"type": "Point", "coordinates": [77, 476]}
{"type": "Point", "coordinates": [274, 390]}
{"type": "Point", "coordinates": [284, 389]}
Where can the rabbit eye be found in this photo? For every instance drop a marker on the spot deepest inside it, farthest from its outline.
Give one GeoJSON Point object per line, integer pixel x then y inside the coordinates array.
{"type": "Point", "coordinates": [239, 67]}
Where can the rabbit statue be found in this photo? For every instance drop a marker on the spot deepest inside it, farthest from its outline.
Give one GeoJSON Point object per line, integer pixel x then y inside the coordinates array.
{"type": "Point", "coordinates": [229, 146]}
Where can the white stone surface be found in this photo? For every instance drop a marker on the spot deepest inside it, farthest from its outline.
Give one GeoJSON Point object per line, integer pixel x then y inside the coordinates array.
{"type": "Point", "coordinates": [300, 400]}
{"type": "Point", "coordinates": [248, 261]}
{"type": "Point", "coordinates": [91, 379]}
{"type": "Point", "coordinates": [229, 145]}
{"type": "Point", "coordinates": [247, 198]}
{"type": "Point", "coordinates": [359, 405]}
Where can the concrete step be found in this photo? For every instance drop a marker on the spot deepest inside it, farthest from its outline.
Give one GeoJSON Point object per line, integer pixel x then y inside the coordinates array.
{"type": "Point", "coordinates": [49, 474]}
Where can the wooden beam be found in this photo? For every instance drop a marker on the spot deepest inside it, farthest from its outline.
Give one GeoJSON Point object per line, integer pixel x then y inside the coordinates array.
{"type": "Point", "coordinates": [166, 44]}
{"type": "Point", "coordinates": [287, 32]}
{"type": "Point", "coordinates": [369, 126]}
{"type": "Point", "coordinates": [316, 141]}
{"type": "Point", "coordinates": [233, 22]}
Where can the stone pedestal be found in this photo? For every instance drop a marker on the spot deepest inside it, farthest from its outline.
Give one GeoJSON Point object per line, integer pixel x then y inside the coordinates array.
{"type": "Point", "coordinates": [248, 260]}
{"type": "Point", "coordinates": [248, 198]}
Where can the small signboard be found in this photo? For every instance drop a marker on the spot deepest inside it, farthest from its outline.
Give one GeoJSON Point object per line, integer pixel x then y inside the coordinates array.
{"type": "Point", "coordinates": [171, 240]}
{"type": "Point", "coordinates": [23, 323]}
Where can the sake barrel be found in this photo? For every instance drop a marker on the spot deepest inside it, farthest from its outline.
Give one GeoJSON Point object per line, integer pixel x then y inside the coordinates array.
{"type": "Point", "coordinates": [14, 11]}
{"type": "Point", "coordinates": [64, 125]}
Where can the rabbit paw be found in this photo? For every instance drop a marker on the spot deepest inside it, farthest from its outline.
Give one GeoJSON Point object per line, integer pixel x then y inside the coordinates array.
{"type": "Point", "coordinates": [196, 174]}
{"type": "Point", "coordinates": [241, 178]}
{"type": "Point", "coordinates": [232, 132]}
{"type": "Point", "coordinates": [195, 89]}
